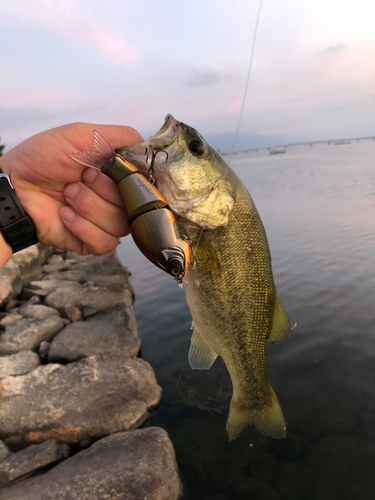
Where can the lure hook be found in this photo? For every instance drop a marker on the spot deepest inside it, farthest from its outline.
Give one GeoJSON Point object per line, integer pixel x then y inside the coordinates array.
{"type": "Point", "coordinates": [193, 258]}
{"type": "Point", "coordinates": [151, 159]}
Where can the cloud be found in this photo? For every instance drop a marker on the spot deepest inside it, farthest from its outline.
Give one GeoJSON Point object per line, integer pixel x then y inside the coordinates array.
{"type": "Point", "coordinates": [67, 20]}
{"type": "Point", "coordinates": [334, 49]}
{"type": "Point", "coordinates": [204, 78]}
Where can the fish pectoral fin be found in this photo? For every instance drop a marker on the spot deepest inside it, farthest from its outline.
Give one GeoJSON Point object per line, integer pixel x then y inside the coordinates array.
{"type": "Point", "coordinates": [201, 356]}
{"type": "Point", "coordinates": [280, 323]}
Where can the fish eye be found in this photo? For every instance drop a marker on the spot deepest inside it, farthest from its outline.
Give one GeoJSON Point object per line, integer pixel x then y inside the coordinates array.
{"type": "Point", "coordinates": [196, 147]}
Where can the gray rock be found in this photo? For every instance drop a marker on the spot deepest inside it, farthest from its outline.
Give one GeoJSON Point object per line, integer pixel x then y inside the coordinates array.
{"type": "Point", "coordinates": [44, 287]}
{"type": "Point", "coordinates": [9, 318]}
{"type": "Point", "coordinates": [75, 275]}
{"type": "Point", "coordinates": [136, 465]}
{"type": "Point", "coordinates": [92, 263]}
{"type": "Point", "coordinates": [25, 462]}
{"type": "Point", "coordinates": [44, 350]}
{"type": "Point", "coordinates": [4, 452]}
{"type": "Point", "coordinates": [110, 333]}
{"type": "Point", "coordinates": [11, 305]}
{"type": "Point", "coordinates": [28, 333]}
{"type": "Point", "coordinates": [18, 364]}
{"type": "Point", "coordinates": [10, 282]}
{"type": "Point", "coordinates": [55, 264]}
{"type": "Point", "coordinates": [29, 261]}
{"type": "Point", "coordinates": [37, 311]}
{"type": "Point", "coordinates": [92, 298]}
{"type": "Point", "coordinates": [34, 300]}
{"type": "Point", "coordinates": [87, 399]}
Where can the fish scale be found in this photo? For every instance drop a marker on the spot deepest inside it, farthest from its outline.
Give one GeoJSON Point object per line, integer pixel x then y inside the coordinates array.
{"type": "Point", "coordinates": [231, 296]}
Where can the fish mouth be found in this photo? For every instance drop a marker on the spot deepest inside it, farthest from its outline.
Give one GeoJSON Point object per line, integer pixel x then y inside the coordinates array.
{"type": "Point", "coordinates": [165, 140]}
{"type": "Point", "coordinates": [167, 134]}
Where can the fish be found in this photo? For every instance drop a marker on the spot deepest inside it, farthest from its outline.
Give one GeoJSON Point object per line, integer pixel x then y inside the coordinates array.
{"type": "Point", "coordinates": [230, 289]}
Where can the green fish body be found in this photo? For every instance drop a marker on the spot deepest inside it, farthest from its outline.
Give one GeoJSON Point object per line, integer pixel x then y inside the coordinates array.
{"type": "Point", "coordinates": [231, 294]}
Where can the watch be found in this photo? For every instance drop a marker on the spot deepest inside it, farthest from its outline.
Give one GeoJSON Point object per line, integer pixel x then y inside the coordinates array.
{"type": "Point", "coordinates": [16, 225]}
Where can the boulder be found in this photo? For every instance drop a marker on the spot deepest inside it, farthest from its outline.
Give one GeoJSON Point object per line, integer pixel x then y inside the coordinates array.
{"type": "Point", "coordinates": [87, 399]}
{"type": "Point", "coordinates": [4, 452]}
{"type": "Point", "coordinates": [44, 287]}
{"type": "Point", "coordinates": [135, 465]}
{"type": "Point", "coordinates": [18, 364]}
{"type": "Point", "coordinates": [10, 282]}
{"type": "Point", "coordinates": [28, 333]}
{"type": "Point", "coordinates": [93, 263]}
{"type": "Point", "coordinates": [89, 299]}
{"type": "Point", "coordinates": [25, 462]}
{"type": "Point", "coordinates": [37, 311]}
{"type": "Point", "coordinates": [111, 333]}
{"type": "Point", "coordinates": [29, 261]}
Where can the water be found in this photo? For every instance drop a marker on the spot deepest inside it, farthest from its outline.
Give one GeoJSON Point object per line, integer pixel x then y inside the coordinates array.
{"type": "Point", "coordinates": [317, 205]}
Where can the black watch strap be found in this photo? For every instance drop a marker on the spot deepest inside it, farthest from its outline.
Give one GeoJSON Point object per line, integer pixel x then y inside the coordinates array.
{"type": "Point", "coordinates": [16, 225]}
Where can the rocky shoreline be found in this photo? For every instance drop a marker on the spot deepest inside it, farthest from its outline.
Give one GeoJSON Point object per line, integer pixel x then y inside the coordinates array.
{"type": "Point", "coordinates": [72, 387]}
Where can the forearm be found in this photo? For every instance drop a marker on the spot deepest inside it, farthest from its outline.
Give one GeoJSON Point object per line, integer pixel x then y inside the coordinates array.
{"type": "Point", "coordinates": [5, 252]}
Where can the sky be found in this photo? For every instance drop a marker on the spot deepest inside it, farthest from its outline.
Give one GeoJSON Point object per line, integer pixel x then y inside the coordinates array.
{"type": "Point", "coordinates": [131, 62]}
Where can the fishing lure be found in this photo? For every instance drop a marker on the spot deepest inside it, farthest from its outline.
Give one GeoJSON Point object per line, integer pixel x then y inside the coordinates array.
{"type": "Point", "coordinates": [151, 222]}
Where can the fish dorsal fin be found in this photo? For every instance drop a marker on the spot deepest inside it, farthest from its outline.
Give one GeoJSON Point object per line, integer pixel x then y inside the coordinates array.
{"type": "Point", "coordinates": [201, 356]}
{"type": "Point", "coordinates": [280, 323]}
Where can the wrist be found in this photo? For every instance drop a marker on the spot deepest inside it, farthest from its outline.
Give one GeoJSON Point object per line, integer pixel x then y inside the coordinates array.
{"type": "Point", "coordinates": [17, 228]}
{"type": "Point", "coordinates": [5, 252]}
{"type": "Point", "coordinates": [4, 164]}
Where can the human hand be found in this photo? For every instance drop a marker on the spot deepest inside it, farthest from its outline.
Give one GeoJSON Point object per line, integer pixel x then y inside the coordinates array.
{"type": "Point", "coordinates": [73, 207]}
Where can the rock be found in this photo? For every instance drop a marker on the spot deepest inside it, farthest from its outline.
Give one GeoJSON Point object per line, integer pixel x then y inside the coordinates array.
{"type": "Point", "coordinates": [44, 350]}
{"type": "Point", "coordinates": [29, 460]}
{"type": "Point", "coordinates": [29, 261]}
{"type": "Point", "coordinates": [18, 364]}
{"type": "Point", "coordinates": [93, 263]}
{"type": "Point", "coordinates": [88, 312]}
{"type": "Point", "coordinates": [93, 299]}
{"type": "Point", "coordinates": [34, 300]}
{"type": "Point", "coordinates": [11, 282]}
{"type": "Point", "coordinates": [110, 333]}
{"type": "Point", "coordinates": [54, 264]}
{"type": "Point", "coordinates": [87, 399]}
{"type": "Point", "coordinates": [12, 304]}
{"type": "Point", "coordinates": [37, 311]}
{"type": "Point", "coordinates": [4, 452]}
{"type": "Point", "coordinates": [44, 287]}
{"type": "Point", "coordinates": [72, 312]}
{"type": "Point", "coordinates": [27, 333]}
{"type": "Point", "coordinates": [136, 465]}
{"type": "Point", "coordinates": [76, 275]}
{"type": "Point", "coordinates": [9, 318]}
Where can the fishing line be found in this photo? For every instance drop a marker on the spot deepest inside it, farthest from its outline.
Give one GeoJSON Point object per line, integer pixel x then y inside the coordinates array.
{"type": "Point", "coordinates": [243, 101]}
{"type": "Point", "coordinates": [247, 81]}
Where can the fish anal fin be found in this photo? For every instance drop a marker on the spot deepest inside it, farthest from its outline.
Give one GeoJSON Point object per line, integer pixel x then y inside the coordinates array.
{"type": "Point", "coordinates": [268, 420]}
{"type": "Point", "coordinates": [201, 356]}
{"type": "Point", "coordinates": [280, 323]}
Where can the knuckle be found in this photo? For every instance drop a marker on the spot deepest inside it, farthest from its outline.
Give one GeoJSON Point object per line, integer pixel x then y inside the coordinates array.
{"type": "Point", "coordinates": [86, 203]}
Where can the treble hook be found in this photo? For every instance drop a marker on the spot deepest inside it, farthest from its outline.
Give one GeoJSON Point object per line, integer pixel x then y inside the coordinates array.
{"type": "Point", "coordinates": [193, 259]}
{"type": "Point", "coordinates": [152, 160]}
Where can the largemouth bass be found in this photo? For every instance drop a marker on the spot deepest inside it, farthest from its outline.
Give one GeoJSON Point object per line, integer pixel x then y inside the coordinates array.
{"type": "Point", "coordinates": [231, 294]}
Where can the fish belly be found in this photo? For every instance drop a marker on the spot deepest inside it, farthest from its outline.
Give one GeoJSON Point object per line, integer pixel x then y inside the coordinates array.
{"type": "Point", "coordinates": [232, 300]}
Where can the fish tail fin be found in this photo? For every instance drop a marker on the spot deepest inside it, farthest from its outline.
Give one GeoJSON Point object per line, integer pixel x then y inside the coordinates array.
{"type": "Point", "coordinates": [268, 419]}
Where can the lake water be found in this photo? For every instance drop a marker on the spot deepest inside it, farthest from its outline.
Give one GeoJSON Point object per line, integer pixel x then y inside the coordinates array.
{"type": "Point", "coordinates": [318, 207]}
